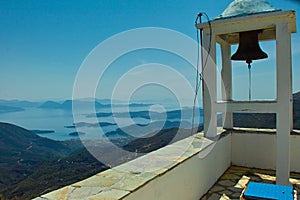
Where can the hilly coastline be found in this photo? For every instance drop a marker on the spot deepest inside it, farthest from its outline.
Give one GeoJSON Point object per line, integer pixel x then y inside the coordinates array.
{"type": "Point", "coordinates": [31, 165]}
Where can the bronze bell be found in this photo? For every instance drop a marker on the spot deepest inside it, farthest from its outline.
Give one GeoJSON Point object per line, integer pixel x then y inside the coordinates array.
{"type": "Point", "coordinates": [249, 48]}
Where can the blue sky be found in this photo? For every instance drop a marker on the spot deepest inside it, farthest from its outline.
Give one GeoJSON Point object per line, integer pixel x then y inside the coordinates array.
{"type": "Point", "coordinates": [43, 44]}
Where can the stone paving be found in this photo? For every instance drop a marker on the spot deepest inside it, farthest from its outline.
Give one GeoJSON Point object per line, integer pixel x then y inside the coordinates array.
{"type": "Point", "coordinates": [234, 180]}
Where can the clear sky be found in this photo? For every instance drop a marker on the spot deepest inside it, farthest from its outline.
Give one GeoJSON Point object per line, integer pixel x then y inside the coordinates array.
{"type": "Point", "coordinates": [43, 43]}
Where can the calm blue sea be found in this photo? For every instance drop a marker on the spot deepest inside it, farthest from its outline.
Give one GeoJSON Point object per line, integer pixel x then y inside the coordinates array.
{"type": "Point", "coordinates": [56, 120]}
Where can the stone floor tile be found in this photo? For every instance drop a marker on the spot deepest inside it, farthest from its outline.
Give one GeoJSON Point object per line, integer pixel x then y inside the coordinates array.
{"type": "Point", "coordinates": [229, 176]}
{"type": "Point", "coordinates": [224, 197]}
{"type": "Point", "coordinates": [243, 182]}
{"type": "Point", "coordinates": [295, 181]}
{"type": "Point", "coordinates": [235, 195]}
{"type": "Point", "coordinates": [266, 177]}
{"type": "Point", "coordinates": [267, 172]}
{"type": "Point", "coordinates": [239, 174]}
{"type": "Point", "coordinates": [225, 192]}
{"type": "Point", "coordinates": [255, 178]}
{"type": "Point", "coordinates": [295, 175]}
{"type": "Point", "coordinates": [217, 188]}
{"type": "Point", "coordinates": [235, 189]}
{"type": "Point", "coordinates": [214, 197]}
{"type": "Point", "coordinates": [205, 197]}
{"type": "Point", "coordinates": [238, 169]}
{"type": "Point", "coordinates": [228, 188]}
{"type": "Point", "coordinates": [269, 181]}
{"type": "Point", "coordinates": [226, 183]}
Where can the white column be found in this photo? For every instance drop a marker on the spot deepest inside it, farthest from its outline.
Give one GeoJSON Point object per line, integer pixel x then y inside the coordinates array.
{"type": "Point", "coordinates": [209, 84]}
{"type": "Point", "coordinates": [226, 83]}
{"type": "Point", "coordinates": [284, 98]}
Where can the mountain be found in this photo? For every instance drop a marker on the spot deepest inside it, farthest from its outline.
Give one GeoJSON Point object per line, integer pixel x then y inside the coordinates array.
{"type": "Point", "coordinates": [31, 165]}
{"type": "Point", "coordinates": [68, 104]}
{"type": "Point", "coordinates": [296, 110]}
{"type": "Point", "coordinates": [86, 103]}
{"type": "Point", "coordinates": [6, 109]}
{"type": "Point", "coordinates": [19, 145]}
{"type": "Point", "coordinates": [296, 96]}
{"type": "Point", "coordinates": [22, 151]}
{"type": "Point", "coordinates": [55, 174]}
{"type": "Point", "coordinates": [102, 101]}
{"type": "Point", "coordinates": [266, 120]}
{"type": "Point", "coordinates": [50, 105]}
{"type": "Point", "coordinates": [19, 103]}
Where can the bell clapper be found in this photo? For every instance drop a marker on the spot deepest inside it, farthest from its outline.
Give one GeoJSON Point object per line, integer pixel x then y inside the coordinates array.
{"type": "Point", "coordinates": [249, 61]}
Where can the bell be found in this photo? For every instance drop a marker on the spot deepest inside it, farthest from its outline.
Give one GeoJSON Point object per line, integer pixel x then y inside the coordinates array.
{"type": "Point", "coordinates": [249, 48]}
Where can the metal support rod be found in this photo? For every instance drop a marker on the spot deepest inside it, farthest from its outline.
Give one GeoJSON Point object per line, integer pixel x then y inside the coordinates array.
{"type": "Point", "coordinates": [249, 81]}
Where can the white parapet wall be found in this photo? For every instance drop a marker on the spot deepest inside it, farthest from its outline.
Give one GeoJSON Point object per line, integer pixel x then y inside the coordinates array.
{"type": "Point", "coordinates": [258, 149]}
{"type": "Point", "coordinates": [192, 178]}
{"type": "Point", "coordinates": [183, 170]}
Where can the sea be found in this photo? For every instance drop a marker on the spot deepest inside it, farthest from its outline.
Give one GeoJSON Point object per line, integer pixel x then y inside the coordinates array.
{"type": "Point", "coordinates": [61, 122]}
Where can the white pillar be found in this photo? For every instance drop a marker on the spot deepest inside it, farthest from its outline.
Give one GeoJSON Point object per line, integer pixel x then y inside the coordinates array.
{"type": "Point", "coordinates": [209, 84]}
{"type": "Point", "coordinates": [226, 83]}
{"type": "Point", "coordinates": [284, 98]}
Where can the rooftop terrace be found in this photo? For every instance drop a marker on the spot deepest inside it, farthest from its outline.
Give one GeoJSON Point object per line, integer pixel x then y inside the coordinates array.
{"type": "Point", "coordinates": [234, 181]}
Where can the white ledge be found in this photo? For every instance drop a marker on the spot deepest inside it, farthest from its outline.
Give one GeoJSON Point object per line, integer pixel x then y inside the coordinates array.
{"type": "Point", "coordinates": [183, 170]}
{"type": "Point", "coordinates": [247, 106]}
{"type": "Point", "coordinates": [120, 181]}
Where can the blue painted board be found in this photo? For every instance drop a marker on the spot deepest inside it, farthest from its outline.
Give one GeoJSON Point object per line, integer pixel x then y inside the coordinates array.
{"type": "Point", "coordinates": [256, 190]}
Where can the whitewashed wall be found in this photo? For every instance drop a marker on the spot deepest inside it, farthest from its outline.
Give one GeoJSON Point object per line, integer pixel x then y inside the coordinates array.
{"type": "Point", "coordinates": [259, 150]}
{"type": "Point", "coordinates": [191, 179]}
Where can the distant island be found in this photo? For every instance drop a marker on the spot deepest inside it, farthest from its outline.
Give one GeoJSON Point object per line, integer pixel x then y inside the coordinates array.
{"type": "Point", "coordinates": [85, 124]}
{"type": "Point", "coordinates": [68, 105]}
{"type": "Point", "coordinates": [135, 131]}
{"type": "Point", "coordinates": [100, 114]}
{"type": "Point", "coordinates": [50, 105]}
{"type": "Point", "coordinates": [174, 114]}
{"type": "Point", "coordinates": [7, 109]}
{"type": "Point", "coordinates": [42, 131]}
{"type": "Point", "coordinates": [19, 103]}
{"type": "Point", "coordinates": [76, 133]}
{"type": "Point", "coordinates": [71, 126]}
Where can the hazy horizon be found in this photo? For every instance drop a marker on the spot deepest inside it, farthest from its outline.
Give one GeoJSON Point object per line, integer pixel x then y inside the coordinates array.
{"type": "Point", "coordinates": [44, 44]}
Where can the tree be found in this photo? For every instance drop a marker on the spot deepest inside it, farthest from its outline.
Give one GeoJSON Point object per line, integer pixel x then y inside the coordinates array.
{"type": "Point", "coordinates": [2, 197]}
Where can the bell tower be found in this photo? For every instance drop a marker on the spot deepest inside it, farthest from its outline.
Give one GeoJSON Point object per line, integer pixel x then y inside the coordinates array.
{"type": "Point", "coordinates": [246, 23]}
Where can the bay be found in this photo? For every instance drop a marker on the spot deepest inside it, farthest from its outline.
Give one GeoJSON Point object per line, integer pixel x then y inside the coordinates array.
{"type": "Point", "coordinates": [57, 120]}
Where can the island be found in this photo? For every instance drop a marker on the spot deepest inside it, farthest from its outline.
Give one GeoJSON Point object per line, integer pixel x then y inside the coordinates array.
{"type": "Point", "coordinates": [85, 124]}
{"type": "Point", "coordinates": [76, 133]}
{"type": "Point", "coordinates": [43, 131]}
